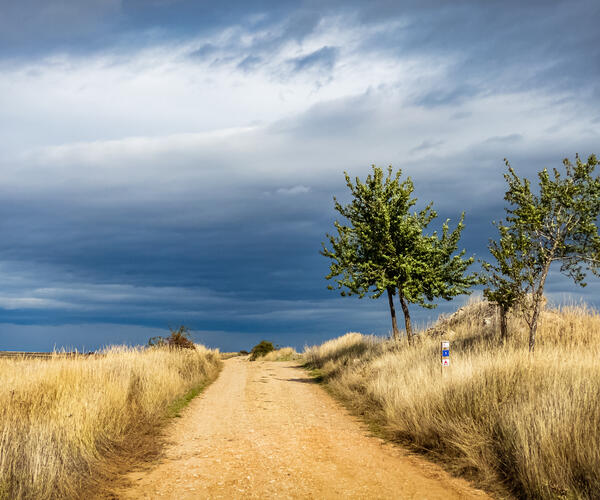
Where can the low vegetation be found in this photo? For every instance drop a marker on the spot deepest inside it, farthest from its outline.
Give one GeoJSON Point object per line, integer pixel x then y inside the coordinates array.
{"type": "Point", "coordinates": [283, 354]}
{"type": "Point", "coordinates": [180, 338]}
{"type": "Point", "coordinates": [381, 247]}
{"type": "Point", "coordinates": [266, 351]}
{"type": "Point", "coordinates": [63, 420]}
{"type": "Point", "coordinates": [261, 349]}
{"type": "Point", "coordinates": [516, 422]}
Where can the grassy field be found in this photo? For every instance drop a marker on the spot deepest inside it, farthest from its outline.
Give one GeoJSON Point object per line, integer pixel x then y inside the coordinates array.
{"type": "Point", "coordinates": [517, 424]}
{"type": "Point", "coordinates": [66, 421]}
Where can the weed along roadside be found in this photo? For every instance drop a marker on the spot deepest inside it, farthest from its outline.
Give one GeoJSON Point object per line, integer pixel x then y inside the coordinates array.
{"type": "Point", "coordinates": [177, 406]}
{"type": "Point", "coordinates": [61, 418]}
{"type": "Point", "coordinates": [515, 423]}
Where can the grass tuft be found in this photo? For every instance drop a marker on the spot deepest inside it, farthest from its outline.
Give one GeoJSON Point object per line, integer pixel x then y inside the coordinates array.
{"type": "Point", "coordinates": [177, 406]}
{"type": "Point", "coordinates": [283, 354]}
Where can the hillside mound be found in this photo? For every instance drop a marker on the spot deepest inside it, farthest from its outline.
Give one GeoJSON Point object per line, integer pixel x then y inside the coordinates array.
{"type": "Point", "coordinates": [517, 423]}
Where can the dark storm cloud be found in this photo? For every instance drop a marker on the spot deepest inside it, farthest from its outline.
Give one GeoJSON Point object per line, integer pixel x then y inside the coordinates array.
{"type": "Point", "coordinates": [551, 37]}
{"type": "Point", "coordinates": [489, 46]}
{"type": "Point", "coordinates": [239, 251]}
{"type": "Point", "coordinates": [222, 232]}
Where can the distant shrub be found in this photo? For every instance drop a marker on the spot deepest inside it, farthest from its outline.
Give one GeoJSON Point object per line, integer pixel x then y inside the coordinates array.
{"type": "Point", "coordinates": [261, 349]}
{"type": "Point", "coordinates": [179, 339]}
{"type": "Point", "coordinates": [244, 353]}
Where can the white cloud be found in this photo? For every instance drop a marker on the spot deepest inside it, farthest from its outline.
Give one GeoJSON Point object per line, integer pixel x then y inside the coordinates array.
{"type": "Point", "coordinates": [294, 190]}
{"type": "Point", "coordinates": [311, 148]}
{"type": "Point", "coordinates": [155, 122]}
{"type": "Point", "coordinates": [10, 303]}
{"type": "Point", "coordinates": [161, 90]}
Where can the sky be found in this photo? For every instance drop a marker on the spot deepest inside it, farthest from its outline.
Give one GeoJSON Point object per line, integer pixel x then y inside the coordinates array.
{"type": "Point", "coordinates": [174, 162]}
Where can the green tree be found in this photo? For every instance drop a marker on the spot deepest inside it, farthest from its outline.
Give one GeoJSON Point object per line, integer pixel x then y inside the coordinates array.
{"type": "Point", "coordinates": [506, 276]}
{"type": "Point", "coordinates": [382, 248]}
{"type": "Point", "coordinates": [558, 224]}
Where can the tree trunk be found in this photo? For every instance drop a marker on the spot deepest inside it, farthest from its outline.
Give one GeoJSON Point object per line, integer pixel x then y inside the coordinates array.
{"type": "Point", "coordinates": [537, 305]}
{"type": "Point", "coordinates": [404, 305]}
{"type": "Point", "coordinates": [533, 325]}
{"type": "Point", "coordinates": [503, 324]}
{"type": "Point", "coordinates": [390, 293]}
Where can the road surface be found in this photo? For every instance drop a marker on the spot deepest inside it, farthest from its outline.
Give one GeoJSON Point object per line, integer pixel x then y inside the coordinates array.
{"type": "Point", "coordinates": [266, 430]}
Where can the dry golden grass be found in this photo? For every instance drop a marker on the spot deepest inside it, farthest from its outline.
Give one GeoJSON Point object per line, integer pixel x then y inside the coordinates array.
{"type": "Point", "coordinates": [228, 355]}
{"type": "Point", "coordinates": [283, 354]}
{"type": "Point", "coordinates": [521, 424]}
{"type": "Point", "coordinates": [60, 418]}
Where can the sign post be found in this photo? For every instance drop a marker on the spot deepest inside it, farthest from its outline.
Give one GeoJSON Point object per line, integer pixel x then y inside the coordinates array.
{"type": "Point", "coordinates": [445, 354]}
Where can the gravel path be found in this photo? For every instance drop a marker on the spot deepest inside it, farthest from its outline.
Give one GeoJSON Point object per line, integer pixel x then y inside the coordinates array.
{"type": "Point", "coordinates": [265, 430]}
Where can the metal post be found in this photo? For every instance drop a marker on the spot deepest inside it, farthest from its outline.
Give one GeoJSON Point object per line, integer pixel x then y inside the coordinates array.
{"type": "Point", "coordinates": [444, 355]}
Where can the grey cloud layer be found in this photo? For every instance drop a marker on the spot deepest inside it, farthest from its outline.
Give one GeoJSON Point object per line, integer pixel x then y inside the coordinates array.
{"type": "Point", "coordinates": [190, 179]}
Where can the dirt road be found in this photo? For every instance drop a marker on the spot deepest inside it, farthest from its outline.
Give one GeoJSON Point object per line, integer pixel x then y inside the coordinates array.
{"type": "Point", "coordinates": [265, 430]}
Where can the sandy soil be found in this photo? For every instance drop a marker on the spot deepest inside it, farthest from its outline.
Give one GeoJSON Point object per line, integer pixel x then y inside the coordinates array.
{"type": "Point", "coordinates": [265, 430]}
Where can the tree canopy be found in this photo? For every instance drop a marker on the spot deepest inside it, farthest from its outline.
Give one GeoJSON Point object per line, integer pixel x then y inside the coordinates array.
{"type": "Point", "coordinates": [381, 247]}
{"type": "Point", "coordinates": [559, 223]}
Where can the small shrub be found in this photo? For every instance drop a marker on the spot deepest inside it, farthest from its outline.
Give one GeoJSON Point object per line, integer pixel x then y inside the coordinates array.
{"type": "Point", "coordinates": [261, 349]}
{"type": "Point", "coordinates": [244, 353]}
{"type": "Point", "coordinates": [179, 339]}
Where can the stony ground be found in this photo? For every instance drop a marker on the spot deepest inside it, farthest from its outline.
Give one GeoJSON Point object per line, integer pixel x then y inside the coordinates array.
{"type": "Point", "coordinates": [265, 430]}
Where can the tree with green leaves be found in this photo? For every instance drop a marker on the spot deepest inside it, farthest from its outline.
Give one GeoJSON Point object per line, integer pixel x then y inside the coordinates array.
{"type": "Point", "coordinates": [507, 276]}
{"type": "Point", "coordinates": [381, 248]}
{"type": "Point", "coordinates": [559, 223]}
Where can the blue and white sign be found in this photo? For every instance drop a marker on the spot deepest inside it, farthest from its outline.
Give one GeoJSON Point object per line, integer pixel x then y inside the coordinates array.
{"type": "Point", "coordinates": [445, 350]}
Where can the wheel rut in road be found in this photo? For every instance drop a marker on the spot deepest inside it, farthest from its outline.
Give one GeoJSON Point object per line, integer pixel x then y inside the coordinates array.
{"type": "Point", "coordinates": [266, 430]}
